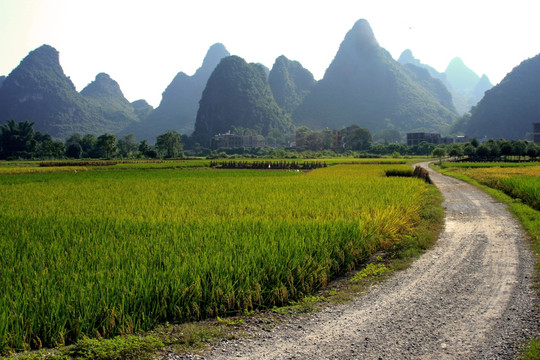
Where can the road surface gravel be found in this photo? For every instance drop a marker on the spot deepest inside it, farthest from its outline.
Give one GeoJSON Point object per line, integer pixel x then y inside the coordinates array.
{"type": "Point", "coordinates": [469, 297]}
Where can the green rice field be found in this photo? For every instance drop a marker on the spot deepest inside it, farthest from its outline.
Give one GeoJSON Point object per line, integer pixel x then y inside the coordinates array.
{"type": "Point", "coordinates": [119, 250]}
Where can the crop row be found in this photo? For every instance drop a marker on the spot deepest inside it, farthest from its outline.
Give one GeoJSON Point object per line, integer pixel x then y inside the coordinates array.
{"type": "Point", "coordinates": [110, 252]}
{"type": "Point", "coordinates": [518, 182]}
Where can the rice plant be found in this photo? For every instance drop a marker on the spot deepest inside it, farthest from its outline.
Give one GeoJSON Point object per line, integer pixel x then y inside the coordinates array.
{"type": "Point", "coordinates": [101, 253]}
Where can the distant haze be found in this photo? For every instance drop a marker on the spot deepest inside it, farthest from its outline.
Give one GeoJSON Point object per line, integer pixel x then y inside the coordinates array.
{"type": "Point", "coordinates": [144, 44]}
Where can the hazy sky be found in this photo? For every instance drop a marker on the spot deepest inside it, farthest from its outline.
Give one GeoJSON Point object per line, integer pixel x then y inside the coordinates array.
{"type": "Point", "coordinates": [143, 44]}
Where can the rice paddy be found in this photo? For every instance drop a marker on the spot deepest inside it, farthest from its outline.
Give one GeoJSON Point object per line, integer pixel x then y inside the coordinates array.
{"type": "Point", "coordinates": [101, 253]}
{"type": "Point", "coordinates": [518, 182]}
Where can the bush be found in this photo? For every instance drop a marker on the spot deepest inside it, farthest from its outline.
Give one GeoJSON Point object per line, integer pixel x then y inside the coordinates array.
{"type": "Point", "coordinates": [422, 173]}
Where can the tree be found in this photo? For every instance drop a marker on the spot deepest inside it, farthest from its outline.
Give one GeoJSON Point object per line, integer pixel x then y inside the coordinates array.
{"type": "Point", "coordinates": [532, 151]}
{"type": "Point", "coordinates": [494, 149]}
{"type": "Point", "coordinates": [88, 144]}
{"type": "Point", "coordinates": [127, 146]}
{"type": "Point", "coordinates": [73, 139]}
{"type": "Point", "coordinates": [17, 139]}
{"type": "Point", "coordinates": [301, 135]}
{"type": "Point", "coordinates": [456, 151]}
{"type": "Point", "coordinates": [74, 151]}
{"type": "Point", "coordinates": [482, 151]}
{"type": "Point", "coordinates": [506, 148]}
{"type": "Point", "coordinates": [169, 143]}
{"type": "Point", "coordinates": [106, 145]}
{"type": "Point", "coordinates": [425, 148]}
{"type": "Point", "coordinates": [146, 150]}
{"type": "Point", "coordinates": [519, 148]}
{"type": "Point", "coordinates": [49, 148]}
{"type": "Point", "coordinates": [469, 150]}
{"type": "Point", "coordinates": [357, 138]}
{"type": "Point", "coordinates": [439, 152]}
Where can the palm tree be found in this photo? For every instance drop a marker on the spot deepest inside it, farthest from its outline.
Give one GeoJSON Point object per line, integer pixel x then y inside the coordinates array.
{"type": "Point", "coordinates": [16, 139]}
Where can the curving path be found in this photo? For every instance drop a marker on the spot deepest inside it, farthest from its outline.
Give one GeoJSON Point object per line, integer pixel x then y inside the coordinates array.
{"type": "Point", "coordinates": [469, 297]}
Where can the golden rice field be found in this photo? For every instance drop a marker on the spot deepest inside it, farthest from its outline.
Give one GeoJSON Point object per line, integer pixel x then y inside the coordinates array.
{"type": "Point", "coordinates": [100, 253]}
{"type": "Point", "coordinates": [518, 182]}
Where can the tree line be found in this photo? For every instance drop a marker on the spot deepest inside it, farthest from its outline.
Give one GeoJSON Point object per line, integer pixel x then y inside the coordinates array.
{"type": "Point", "coordinates": [20, 141]}
{"type": "Point", "coordinates": [490, 150]}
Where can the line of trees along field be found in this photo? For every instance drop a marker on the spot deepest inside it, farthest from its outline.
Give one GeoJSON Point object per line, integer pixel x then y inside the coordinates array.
{"type": "Point", "coordinates": [490, 150]}
{"type": "Point", "coordinates": [20, 141]}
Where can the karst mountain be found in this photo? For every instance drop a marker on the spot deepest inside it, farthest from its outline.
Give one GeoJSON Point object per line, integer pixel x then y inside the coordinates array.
{"type": "Point", "coordinates": [180, 100]}
{"type": "Point", "coordinates": [238, 96]}
{"type": "Point", "coordinates": [510, 108]}
{"type": "Point", "coordinates": [364, 85]}
{"type": "Point", "coordinates": [38, 91]}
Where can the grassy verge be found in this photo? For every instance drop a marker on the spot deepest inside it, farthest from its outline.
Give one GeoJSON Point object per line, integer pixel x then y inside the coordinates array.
{"type": "Point", "coordinates": [530, 219]}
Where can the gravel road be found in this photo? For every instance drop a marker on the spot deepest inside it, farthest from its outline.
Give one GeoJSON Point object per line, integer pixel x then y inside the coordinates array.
{"type": "Point", "coordinates": [469, 297]}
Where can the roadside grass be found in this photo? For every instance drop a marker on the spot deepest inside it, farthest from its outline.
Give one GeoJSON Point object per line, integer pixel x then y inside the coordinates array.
{"type": "Point", "coordinates": [530, 219]}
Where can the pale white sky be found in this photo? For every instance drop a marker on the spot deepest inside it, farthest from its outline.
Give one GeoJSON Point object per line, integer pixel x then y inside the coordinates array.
{"type": "Point", "coordinates": [143, 44]}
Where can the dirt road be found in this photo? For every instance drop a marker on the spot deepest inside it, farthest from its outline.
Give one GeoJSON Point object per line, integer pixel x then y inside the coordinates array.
{"type": "Point", "coordinates": [469, 297]}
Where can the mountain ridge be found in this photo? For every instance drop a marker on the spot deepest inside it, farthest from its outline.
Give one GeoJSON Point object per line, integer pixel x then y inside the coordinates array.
{"type": "Point", "coordinates": [364, 85]}
{"type": "Point", "coordinates": [238, 95]}
{"type": "Point", "coordinates": [290, 83]}
{"type": "Point", "coordinates": [37, 90]}
{"type": "Point", "coordinates": [465, 86]}
{"type": "Point", "coordinates": [509, 109]}
{"type": "Point", "coordinates": [180, 100]}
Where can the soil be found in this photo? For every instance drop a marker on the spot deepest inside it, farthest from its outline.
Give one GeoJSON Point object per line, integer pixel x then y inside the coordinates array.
{"type": "Point", "coordinates": [468, 297]}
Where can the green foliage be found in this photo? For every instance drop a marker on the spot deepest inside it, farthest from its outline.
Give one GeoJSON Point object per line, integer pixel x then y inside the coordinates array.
{"type": "Point", "coordinates": [120, 348]}
{"type": "Point", "coordinates": [456, 151]}
{"type": "Point", "coordinates": [531, 351]}
{"type": "Point", "coordinates": [169, 144]}
{"type": "Point", "coordinates": [47, 148]}
{"type": "Point", "coordinates": [74, 151]}
{"type": "Point", "coordinates": [106, 145]}
{"type": "Point", "coordinates": [16, 139]}
{"type": "Point", "coordinates": [425, 148]}
{"type": "Point", "coordinates": [439, 152]}
{"type": "Point", "coordinates": [356, 138]}
{"type": "Point", "coordinates": [127, 146]}
{"type": "Point", "coordinates": [371, 270]}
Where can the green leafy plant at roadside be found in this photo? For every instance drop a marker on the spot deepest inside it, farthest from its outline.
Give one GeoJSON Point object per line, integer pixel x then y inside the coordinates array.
{"type": "Point", "coordinates": [230, 322]}
{"type": "Point", "coordinates": [306, 305]}
{"type": "Point", "coordinates": [119, 348]}
{"type": "Point", "coordinates": [531, 351]}
{"type": "Point", "coordinates": [371, 270]}
{"type": "Point", "coordinates": [40, 355]}
{"type": "Point", "coordinates": [194, 336]}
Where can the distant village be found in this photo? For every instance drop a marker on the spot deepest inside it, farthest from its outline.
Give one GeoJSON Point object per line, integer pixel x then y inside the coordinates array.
{"type": "Point", "coordinates": [231, 140]}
